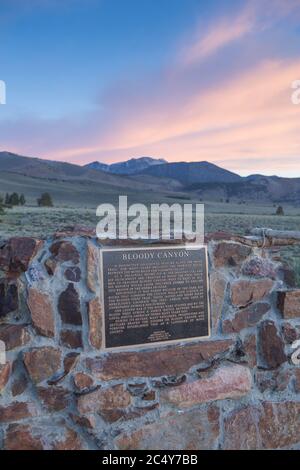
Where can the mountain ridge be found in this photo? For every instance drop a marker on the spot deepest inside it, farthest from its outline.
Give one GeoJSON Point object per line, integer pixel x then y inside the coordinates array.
{"type": "Point", "coordinates": [128, 167]}
{"type": "Point", "coordinates": [197, 180]}
{"type": "Point", "coordinates": [193, 172]}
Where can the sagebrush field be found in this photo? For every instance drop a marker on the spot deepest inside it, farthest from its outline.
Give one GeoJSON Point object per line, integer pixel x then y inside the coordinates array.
{"type": "Point", "coordinates": [234, 218]}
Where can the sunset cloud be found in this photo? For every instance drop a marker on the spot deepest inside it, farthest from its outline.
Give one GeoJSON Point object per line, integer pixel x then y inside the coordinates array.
{"type": "Point", "coordinates": [257, 15]}
{"type": "Point", "coordinates": [220, 35]}
{"type": "Point", "coordinates": [232, 109]}
{"type": "Point", "coordinates": [249, 115]}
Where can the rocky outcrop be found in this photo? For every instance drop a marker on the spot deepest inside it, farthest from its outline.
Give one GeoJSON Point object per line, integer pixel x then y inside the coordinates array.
{"type": "Point", "coordinates": [238, 389]}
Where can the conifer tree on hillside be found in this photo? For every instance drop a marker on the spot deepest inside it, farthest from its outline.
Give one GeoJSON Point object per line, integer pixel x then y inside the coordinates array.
{"type": "Point", "coordinates": [1, 205]}
{"type": "Point", "coordinates": [14, 199]}
{"type": "Point", "coordinates": [45, 200]}
{"type": "Point", "coordinates": [279, 210]}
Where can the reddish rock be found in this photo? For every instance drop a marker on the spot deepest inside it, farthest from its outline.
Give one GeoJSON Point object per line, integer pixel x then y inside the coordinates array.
{"type": "Point", "coordinates": [69, 306]}
{"type": "Point", "coordinates": [297, 380]}
{"type": "Point", "coordinates": [73, 274]}
{"type": "Point", "coordinates": [17, 254]}
{"type": "Point", "coordinates": [290, 334]}
{"type": "Point", "coordinates": [64, 251]}
{"type": "Point", "coordinates": [274, 381]}
{"type": "Point", "coordinates": [227, 327]}
{"type": "Point", "coordinates": [19, 385]}
{"type": "Point", "coordinates": [218, 285]}
{"type": "Point", "coordinates": [227, 382]}
{"type": "Point", "coordinates": [70, 441]}
{"type": "Point", "coordinates": [243, 293]}
{"type": "Point", "coordinates": [269, 426]}
{"type": "Point", "coordinates": [41, 363]}
{"type": "Point", "coordinates": [171, 381]}
{"type": "Point", "coordinates": [76, 230]}
{"type": "Point", "coordinates": [289, 303]}
{"type": "Point", "coordinates": [104, 399]}
{"type": "Point", "coordinates": [34, 437]}
{"type": "Point", "coordinates": [42, 315]}
{"type": "Point", "coordinates": [87, 421]}
{"type": "Point", "coordinates": [51, 265]}
{"type": "Point", "coordinates": [4, 375]}
{"type": "Point", "coordinates": [240, 429]}
{"type": "Point", "coordinates": [137, 389]}
{"type": "Point", "coordinates": [174, 361]}
{"type": "Point", "coordinates": [83, 382]}
{"type": "Point", "coordinates": [230, 254]}
{"type": "Point", "coordinates": [54, 398]}
{"type": "Point", "coordinates": [9, 298]}
{"type": "Point", "coordinates": [71, 339]}
{"type": "Point", "coordinates": [279, 424]}
{"type": "Point", "coordinates": [70, 361]}
{"type": "Point", "coordinates": [272, 353]}
{"type": "Point", "coordinates": [192, 430]}
{"type": "Point", "coordinates": [92, 266]}
{"type": "Point", "coordinates": [16, 411]}
{"type": "Point", "coordinates": [5, 255]}
{"type": "Point", "coordinates": [14, 336]}
{"type": "Point", "coordinates": [259, 267]}
{"type": "Point", "coordinates": [250, 350]}
{"type": "Point", "coordinates": [20, 437]}
{"type": "Point", "coordinates": [149, 396]}
{"type": "Point", "coordinates": [95, 323]}
{"type": "Point", "coordinates": [246, 318]}
{"type": "Point", "coordinates": [114, 415]}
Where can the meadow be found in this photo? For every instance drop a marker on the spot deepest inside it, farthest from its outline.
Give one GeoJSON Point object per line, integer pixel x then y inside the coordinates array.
{"type": "Point", "coordinates": [234, 218]}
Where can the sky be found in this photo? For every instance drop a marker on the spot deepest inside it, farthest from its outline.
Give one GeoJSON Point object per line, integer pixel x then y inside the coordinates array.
{"type": "Point", "coordinates": [184, 80]}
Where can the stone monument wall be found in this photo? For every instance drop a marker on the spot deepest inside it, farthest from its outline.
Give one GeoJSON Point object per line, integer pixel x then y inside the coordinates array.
{"type": "Point", "coordinates": [239, 389]}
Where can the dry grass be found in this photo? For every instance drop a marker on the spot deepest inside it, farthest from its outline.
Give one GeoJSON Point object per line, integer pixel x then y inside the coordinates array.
{"type": "Point", "coordinates": [42, 222]}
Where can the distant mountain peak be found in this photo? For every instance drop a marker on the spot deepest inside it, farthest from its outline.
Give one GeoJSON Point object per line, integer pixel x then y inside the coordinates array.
{"type": "Point", "coordinates": [129, 167]}
{"type": "Point", "coordinates": [201, 180]}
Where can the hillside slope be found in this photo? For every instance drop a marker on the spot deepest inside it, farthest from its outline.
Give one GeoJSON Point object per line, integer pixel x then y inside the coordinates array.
{"type": "Point", "coordinates": [193, 172]}
{"type": "Point", "coordinates": [196, 180]}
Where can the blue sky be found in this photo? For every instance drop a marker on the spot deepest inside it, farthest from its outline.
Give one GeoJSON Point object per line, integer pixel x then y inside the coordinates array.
{"type": "Point", "coordinates": [183, 79]}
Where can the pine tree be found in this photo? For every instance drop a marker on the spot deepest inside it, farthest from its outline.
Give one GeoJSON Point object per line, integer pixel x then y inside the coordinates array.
{"type": "Point", "coordinates": [279, 210]}
{"type": "Point", "coordinates": [45, 200]}
{"type": "Point", "coordinates": [14, 199]}
{"type": "Point", "coordinates": [7, 197]}
{"type": "Point", "coordinates": [22, 200]}
{"type": "Point", "coordinates": [1, 205]}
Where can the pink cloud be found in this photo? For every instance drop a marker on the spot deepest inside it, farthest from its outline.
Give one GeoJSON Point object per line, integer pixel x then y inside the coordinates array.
{"type": "Point", "coordinates": [219, 36]}
{"type": "Point", "coordinates": [256, 16]}
{"type": "Point", "coordinates": [250, 115]}
{"type": "Point", "coordinates": [246, 121]}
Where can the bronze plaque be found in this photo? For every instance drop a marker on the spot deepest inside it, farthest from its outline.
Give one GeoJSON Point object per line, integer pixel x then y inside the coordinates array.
{"type": "Point", "coordinates": [154, 295]}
